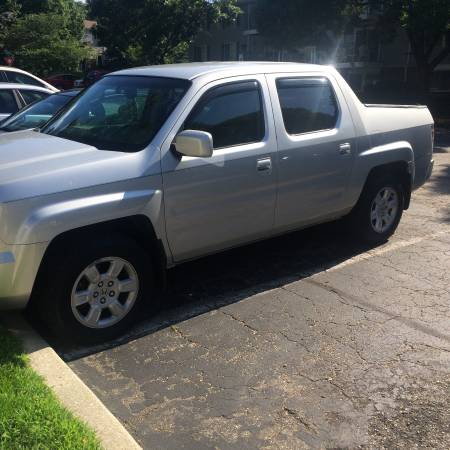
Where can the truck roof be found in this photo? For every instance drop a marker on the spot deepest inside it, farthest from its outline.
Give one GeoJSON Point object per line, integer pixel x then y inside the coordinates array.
{"type": "Point", "coordinates": [190, 71]}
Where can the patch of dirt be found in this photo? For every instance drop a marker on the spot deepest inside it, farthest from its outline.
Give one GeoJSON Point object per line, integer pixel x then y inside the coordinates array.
{"type": "Point", "coordinates": [421, 418]}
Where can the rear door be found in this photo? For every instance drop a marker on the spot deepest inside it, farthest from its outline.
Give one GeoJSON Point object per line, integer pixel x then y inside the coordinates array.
{"type": "Point", "coordinates": [316, 141]}
{"type": "Point", "coordinates": [219, 202]}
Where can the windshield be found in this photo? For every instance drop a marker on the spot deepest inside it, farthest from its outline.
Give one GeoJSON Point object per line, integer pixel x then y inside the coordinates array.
{"type": "Point", "coordinates": [37, 114]}
{"type": "Point", "coordinates": [121, 113]}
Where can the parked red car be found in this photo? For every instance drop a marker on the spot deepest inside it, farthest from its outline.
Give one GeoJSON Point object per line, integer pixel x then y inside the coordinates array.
{"type": "Point", "coordinates": [90, 78]}
{"type": "Point", "coordinates": [62, 81]}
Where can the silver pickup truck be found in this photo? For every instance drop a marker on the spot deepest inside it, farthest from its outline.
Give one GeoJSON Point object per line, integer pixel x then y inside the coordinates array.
{"type": "Point", "coordinates": [154, 166]}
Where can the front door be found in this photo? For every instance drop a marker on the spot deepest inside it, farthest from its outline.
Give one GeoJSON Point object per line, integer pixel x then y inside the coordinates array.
{"type": "Point", "coordinates": [220, 202]}
{"type": "Point", "coordinates": [316, 142]}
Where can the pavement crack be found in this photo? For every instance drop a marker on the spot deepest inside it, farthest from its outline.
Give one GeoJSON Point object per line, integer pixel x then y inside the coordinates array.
{"type": "Point", "coordinates": [188, 339]}
{"type": "Point", "coordinates": [296, 415]}
{"type": "Point", "coordinates": [242, 322]}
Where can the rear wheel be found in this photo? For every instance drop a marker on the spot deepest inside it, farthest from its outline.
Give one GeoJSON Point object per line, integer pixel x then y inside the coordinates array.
{"type": "Point", "coordinates": [93, 290]}
{"type": "Point", "coordinates": [379, 210]}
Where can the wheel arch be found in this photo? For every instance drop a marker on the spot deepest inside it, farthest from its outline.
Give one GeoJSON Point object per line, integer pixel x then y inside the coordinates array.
{"type": "Point", "coordinates": [138, 228]}
{"type": "Point", "coordinates": [400, 169]}
{"type": "Point", "coordinates": [396, 158]}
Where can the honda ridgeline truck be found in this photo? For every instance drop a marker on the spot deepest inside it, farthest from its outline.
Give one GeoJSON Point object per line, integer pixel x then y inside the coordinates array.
{"type": "Point", "coordinates": [155, 166]}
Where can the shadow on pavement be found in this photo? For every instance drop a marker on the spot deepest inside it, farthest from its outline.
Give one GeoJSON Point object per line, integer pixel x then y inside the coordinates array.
{"type": "Point", "coordinates": [210, 283]}
{"type": "Point", "coordinates": [442, 141]}
{"type": "Point", "coordinates": [440, 184]}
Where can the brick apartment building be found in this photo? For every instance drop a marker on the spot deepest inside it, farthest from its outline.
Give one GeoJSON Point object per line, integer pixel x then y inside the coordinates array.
{"type": "Point", "coordinates": [364, 60]}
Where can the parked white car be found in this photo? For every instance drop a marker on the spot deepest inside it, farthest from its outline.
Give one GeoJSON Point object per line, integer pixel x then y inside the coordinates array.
{"type": "Point", "coordinates": [14, 75]}
{"type": "Point", "coordinates": [15, 96]}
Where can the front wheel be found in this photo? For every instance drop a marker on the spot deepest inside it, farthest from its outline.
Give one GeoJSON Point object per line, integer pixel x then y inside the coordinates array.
{"type": "Point", "coordinates": [94, 289]}
{"type": "Point", "coordinates": [379, 210]}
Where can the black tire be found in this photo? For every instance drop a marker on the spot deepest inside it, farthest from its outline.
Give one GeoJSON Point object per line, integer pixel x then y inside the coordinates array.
{"type": "Point", "coordinates": [63, 269]}
{"type": "Point", "coordinates": [360, 218]}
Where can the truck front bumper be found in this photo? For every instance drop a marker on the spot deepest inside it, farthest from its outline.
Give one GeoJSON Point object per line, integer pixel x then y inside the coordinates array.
{"type": "Point", "coordinates": [19, 265]}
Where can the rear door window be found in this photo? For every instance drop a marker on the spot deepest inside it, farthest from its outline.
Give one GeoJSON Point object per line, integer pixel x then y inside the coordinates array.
{"type": "Point", "coordinates": [8, 103]}
{"type": "Point", "coordinates": [232, 113]}
{"type": "Point", "coordinates": [32, 96]}
{"type": "Point", "coordinates": [308, 104]}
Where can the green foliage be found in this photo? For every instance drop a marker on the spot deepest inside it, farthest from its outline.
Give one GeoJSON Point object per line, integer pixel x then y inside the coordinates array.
{"type": "Point", "coordinates": [73, 13]}
{"type": "Point", "coordinates": [154, 31]}
{"type": "Point", "coordinates": [9, 10]}
{"type": "Point", "coordinates": [426, 23]}
{"type": "Point", "coordinates": [43, 44]}
{"type": "Point", "coordinates": [45, 36]}
{"type": "Point", "coordinates": [30, 415]}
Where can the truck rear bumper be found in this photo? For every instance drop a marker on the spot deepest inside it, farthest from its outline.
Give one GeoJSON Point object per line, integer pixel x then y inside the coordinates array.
{"type": "Point", "coordinates": [430, 170]}
{"type": "Point", "coordinates": [19, 265]}
{"type": "Point", "coordinates": [424, 169]}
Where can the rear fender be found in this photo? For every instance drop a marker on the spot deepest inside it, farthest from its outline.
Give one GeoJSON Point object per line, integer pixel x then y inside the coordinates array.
{"type": "Point", "coordinates": [379, 157]}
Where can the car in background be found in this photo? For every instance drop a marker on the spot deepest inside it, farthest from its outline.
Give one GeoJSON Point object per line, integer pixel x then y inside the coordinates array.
{"type": "Point", "coordinates": [62, 81]}
{"type": "Point", "coordinates": [14, 75]}
{"type": "Point", "coordinates": [90, 78]}
{"type": "Point", "coordinates": [37, 114]}
{"type": "Point", "coordinates": [15, 96]}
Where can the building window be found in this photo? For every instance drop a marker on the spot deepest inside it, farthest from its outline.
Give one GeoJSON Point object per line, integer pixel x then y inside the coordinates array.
{"type": "Point", "coordinates": [197, 53]}
{"type": "Point", "coordinates": [252, 16]}
{"type": "Point", "coordinates": [229, 51]}
{"type": "Point", "coordinates": [226, 52]}
{"type": "Point", "coordinates": [201, 53]}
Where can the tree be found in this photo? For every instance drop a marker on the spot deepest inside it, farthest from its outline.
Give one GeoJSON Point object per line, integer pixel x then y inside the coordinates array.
{"type": "Point", "coordinates": [154, 31]}
{"type": "Point", "coordinates": [46, 35]}
{"type": "Point", "coordinates": [9, 10]}
{"type": "Point", "coordinates": [427, 25]}
{"type": "Point", "coordinates": [48, 41]}
{"type": "Point", "coordinates": [73, 12]}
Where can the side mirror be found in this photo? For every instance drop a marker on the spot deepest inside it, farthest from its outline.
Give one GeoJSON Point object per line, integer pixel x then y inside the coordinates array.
{"type": "Point", "coordinates": [194, 143]}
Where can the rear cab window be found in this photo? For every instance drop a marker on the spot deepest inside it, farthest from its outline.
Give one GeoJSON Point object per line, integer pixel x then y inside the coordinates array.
{"type": "Point", "coordinates": [232, 113]}
{"type": "Point", "coordinates": [308, 104]}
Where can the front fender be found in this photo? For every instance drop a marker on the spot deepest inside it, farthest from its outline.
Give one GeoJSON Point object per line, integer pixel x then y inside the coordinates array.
{"type": "Point", "coordinates": [41, 219]}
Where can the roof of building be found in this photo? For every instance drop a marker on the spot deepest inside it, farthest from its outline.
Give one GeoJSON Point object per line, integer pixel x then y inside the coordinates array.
{"type": "Point", "coordinates": [191, 71]}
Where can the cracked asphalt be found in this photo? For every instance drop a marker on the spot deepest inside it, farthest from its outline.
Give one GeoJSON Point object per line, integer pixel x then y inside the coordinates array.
{"type": "Point", "coordinates": [304, 341]}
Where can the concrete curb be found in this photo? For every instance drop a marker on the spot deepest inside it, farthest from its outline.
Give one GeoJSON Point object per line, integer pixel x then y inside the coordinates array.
{"type": "Point", "coordinates": [69, 389]}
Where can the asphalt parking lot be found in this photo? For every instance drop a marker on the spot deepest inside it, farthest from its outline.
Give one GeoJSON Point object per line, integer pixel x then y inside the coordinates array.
{"type": "Point", "coordinates": [304, 341]}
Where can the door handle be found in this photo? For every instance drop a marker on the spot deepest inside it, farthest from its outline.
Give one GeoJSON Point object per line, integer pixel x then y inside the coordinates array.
{"type": "Point", "coordinates": [264, 165]}
{"type": "Point", "coordinates": [345, 149]}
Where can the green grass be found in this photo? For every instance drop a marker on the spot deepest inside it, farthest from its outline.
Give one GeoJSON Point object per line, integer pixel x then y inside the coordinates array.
{"type": "Point", "coordinates": [30, 415]}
